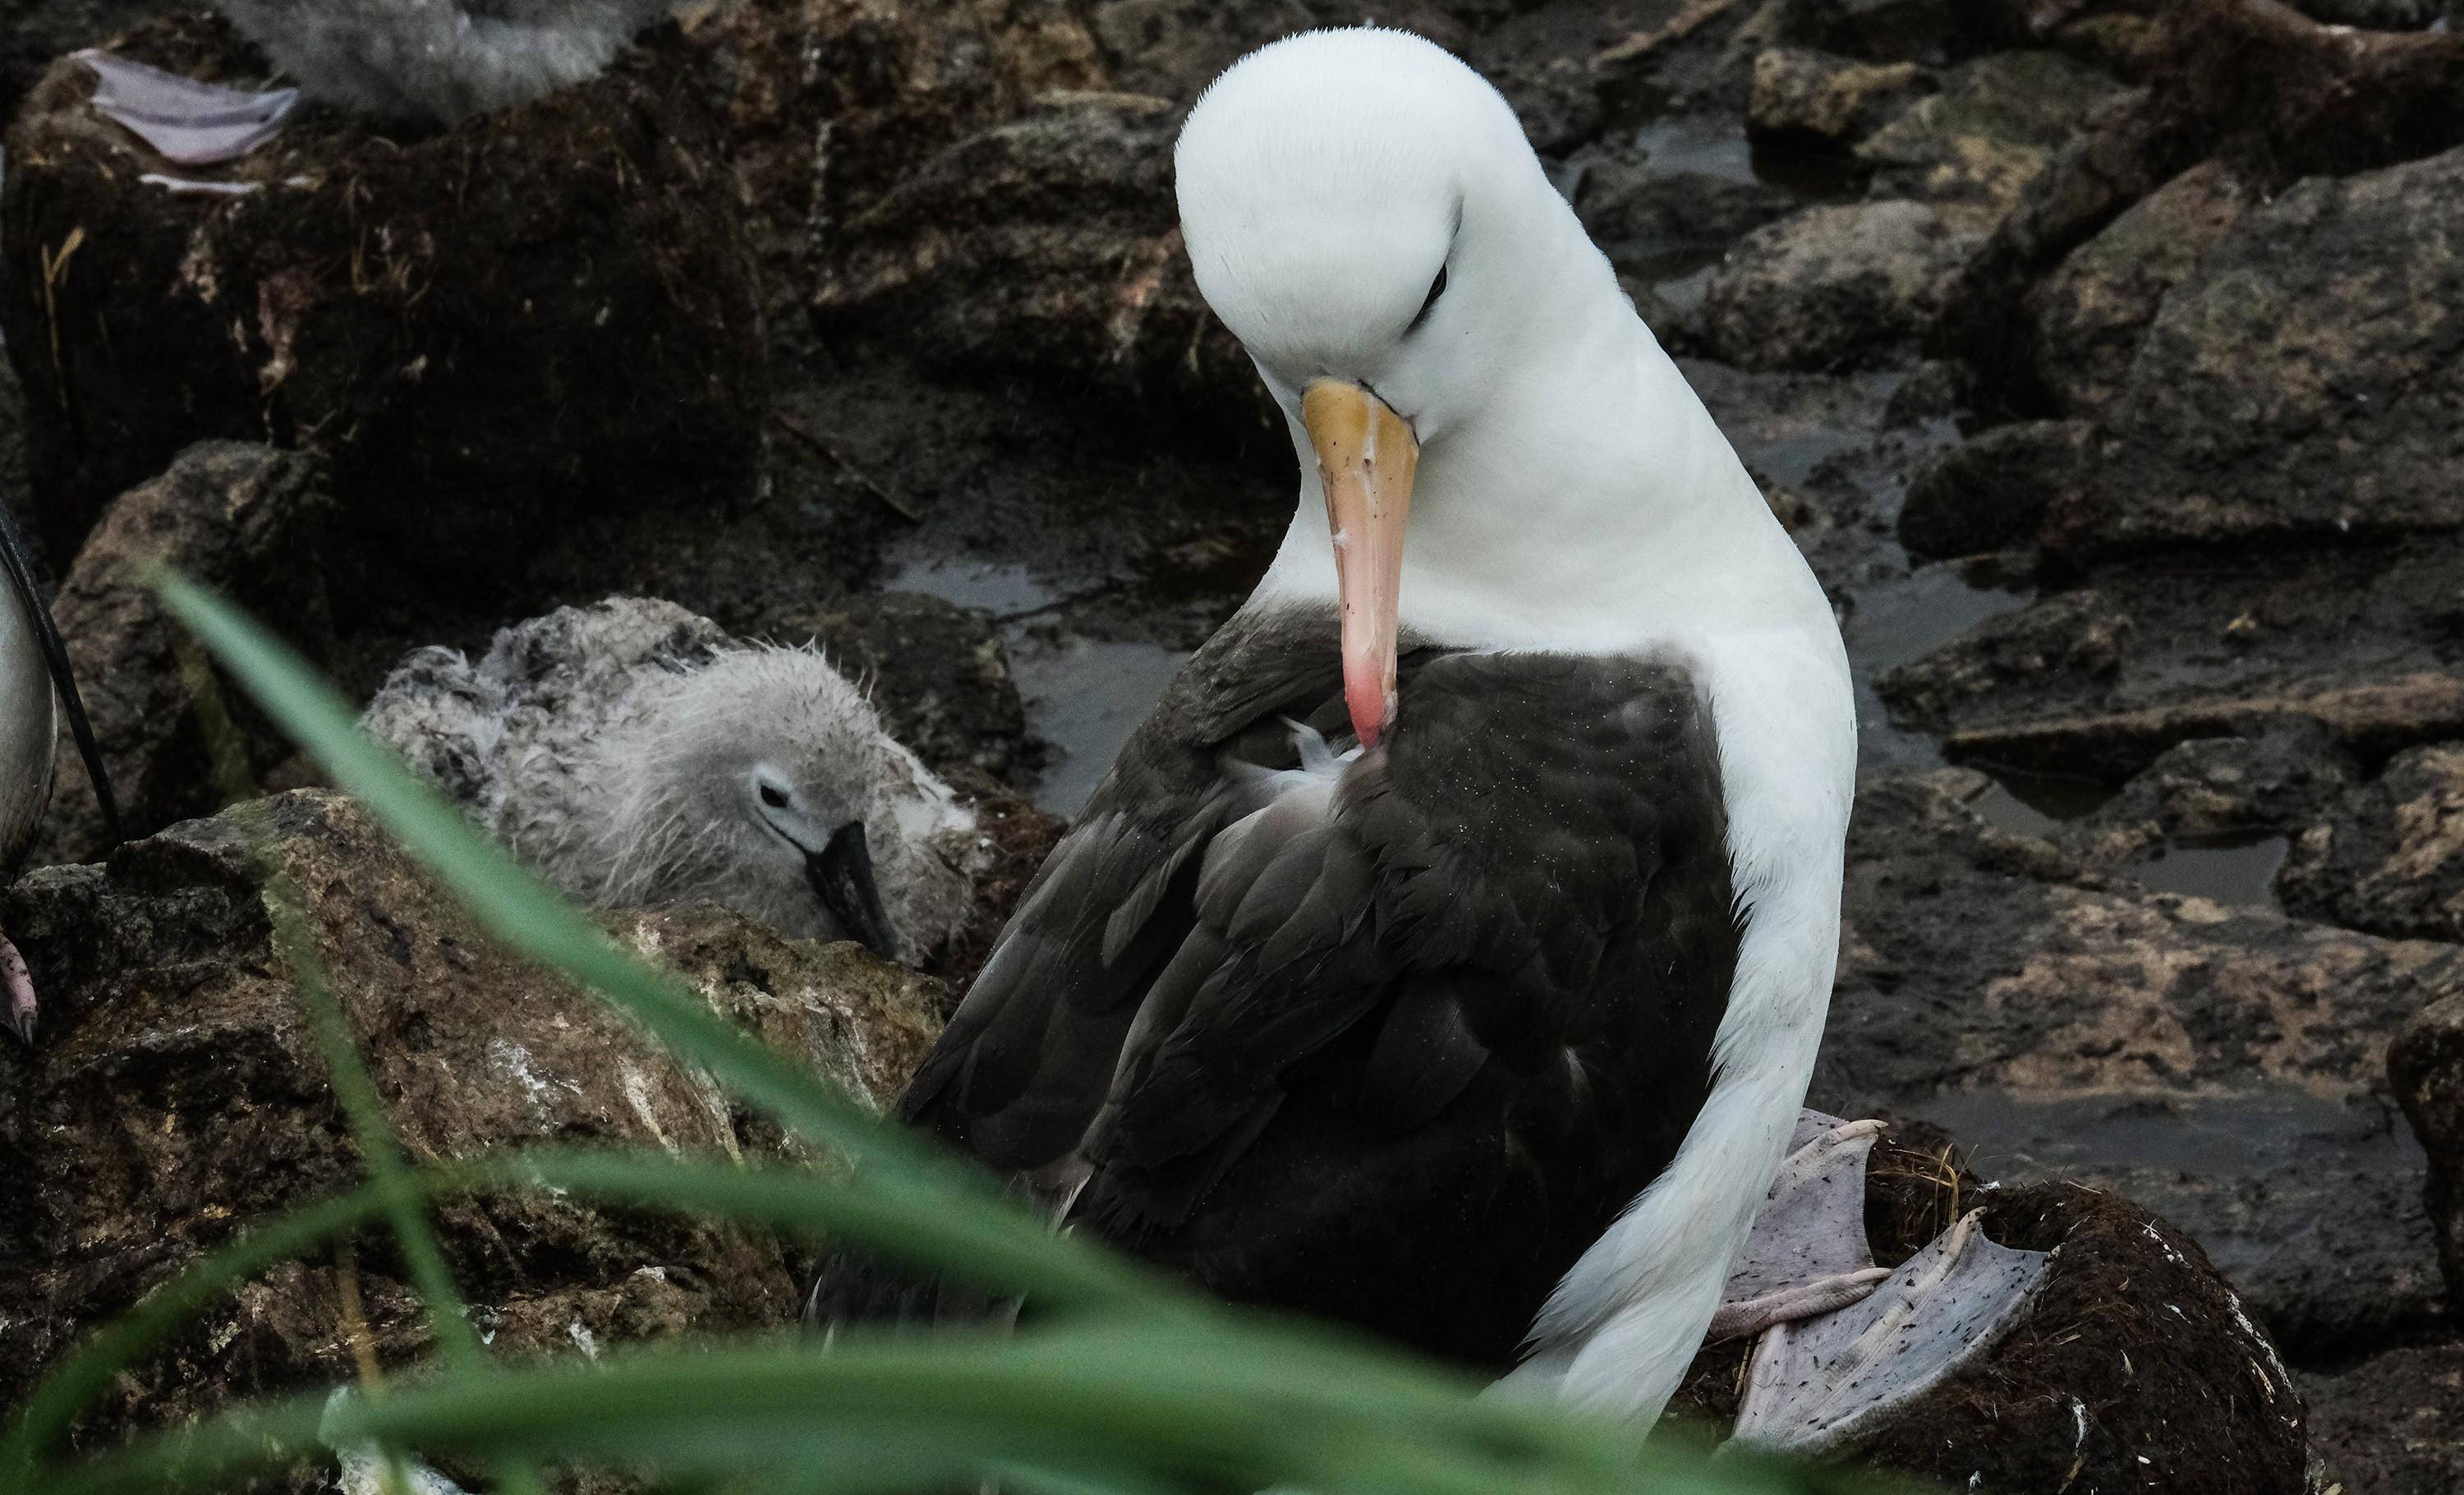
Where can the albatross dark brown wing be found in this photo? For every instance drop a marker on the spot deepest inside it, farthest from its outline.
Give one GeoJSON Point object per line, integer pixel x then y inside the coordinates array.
{"type": "Point", "coordinates": [1390, 1040]}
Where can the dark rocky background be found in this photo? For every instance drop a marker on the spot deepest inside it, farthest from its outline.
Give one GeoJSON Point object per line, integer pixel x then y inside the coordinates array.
{"type": "Point", "coordinates": [2106, 357]}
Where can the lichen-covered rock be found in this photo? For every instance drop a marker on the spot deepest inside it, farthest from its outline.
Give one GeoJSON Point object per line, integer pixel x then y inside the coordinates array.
{"type": "Point", "coordinates": [2393, 1424]}
{"type": "Point", "coordinates": [244, 519]}
{"type": "Point", "coordinates": [2068, 638]}
{"type": "Point", "coordinates": [2223, 1066]}
{"type": "Point", "coordinates": [2279, 781]}
{"type": "Point", "coordinates": [179, 1094]}
{"type": "Point", "coordinates": [1993, 490]}
{"type": "Point", "coordinates": [2302, 381]}
{"type": "Point", "coordinates": [1991, 131]}
{"type": "Point", "coordinates": [1802, 94]}
{"type": "Point", "coordinates": [547, 311]}
{"type": "Point", "coordinates": [1836, 286]}
{"type": "Point", "coordinates": [2391, 859]}
{"type": "Point", "coordinates": [2088, 315]}
{"type": "Point", "coordinates": [2136, 1367]}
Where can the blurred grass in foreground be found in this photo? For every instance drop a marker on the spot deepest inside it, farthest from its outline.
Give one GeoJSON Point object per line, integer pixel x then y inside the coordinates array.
{"type": "Point", "coordinates": [1132, 1386]}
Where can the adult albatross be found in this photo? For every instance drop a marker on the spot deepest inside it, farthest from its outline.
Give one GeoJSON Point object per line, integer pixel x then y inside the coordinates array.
{"type": "Point", "coordinates": [1449, 950]}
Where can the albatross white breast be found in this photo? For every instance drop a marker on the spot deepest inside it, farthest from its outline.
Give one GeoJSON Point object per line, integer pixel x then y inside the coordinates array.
{"type": "Point", "coordinates": [1448, 952]}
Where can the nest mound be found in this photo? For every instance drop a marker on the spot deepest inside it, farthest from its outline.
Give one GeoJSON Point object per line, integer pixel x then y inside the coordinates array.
{"type": "Point", "coordinates": [482, 330]}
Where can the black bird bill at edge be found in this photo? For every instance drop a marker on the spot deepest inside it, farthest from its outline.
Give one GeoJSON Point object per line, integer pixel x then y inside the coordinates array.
{"type": "Point", "coordinates": [55, 658]}
{"type": "Point", "coordinates": [842, 875]}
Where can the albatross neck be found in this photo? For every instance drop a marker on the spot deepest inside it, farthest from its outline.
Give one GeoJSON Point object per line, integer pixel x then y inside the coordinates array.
{"type": "Point", "coordinates": [1591, 505]}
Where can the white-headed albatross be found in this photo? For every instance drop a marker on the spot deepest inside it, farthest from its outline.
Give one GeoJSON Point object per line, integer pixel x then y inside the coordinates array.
{"type": "Point", "coordinates": [36, 685]}
{"type": "Point", "coordinates": [1449, 950]}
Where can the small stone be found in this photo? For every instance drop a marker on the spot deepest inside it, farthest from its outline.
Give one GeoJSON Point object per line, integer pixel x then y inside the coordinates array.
{"type": "Point", "coordinates": [1993, 490]}
{"type": "Point", "coordinates": [1802, 94]}
{"type": "Point", "coordinates": [1837, 286]}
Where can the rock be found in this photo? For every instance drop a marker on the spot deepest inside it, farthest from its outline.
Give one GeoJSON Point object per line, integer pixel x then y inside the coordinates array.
{"type": "Point", "coordinates": [1835, 286]}
{"type": "Point", "coordinates": [2137, 1368]}
{"type": "Point", "coordinates": [1799, 94]}
{"type": "Point", "coordinates": [2089, 316]}
{"type": "Point", "coordinates": [564, 287]}
{"type": "Point", "coordinates": [2069, 638]}
{"type": "Point", "coordinates": [937, 672]}
{"type": "Point", "coordinates": [2211, 788]}
{"type": "Point", "coordinates": [180, 1095]}
{"type": "Point", "coordinates": [1992, 491]}
{"type": "Point", "coordinates": [246, 520]}
{"type": "Point", "coordinates": [2391, 859]}
{"type": "Point", "coordinates": [2393, 1424]}
{"type": "Point", "coordinates": [2223, 1066]}
{"type": "Point", "coordinates": [2387, 15]}
{"type": "Point", "coordinates": [1929, 31]}
{"type": "Point", "coordinates": [2298, 383]}
{"type": "Point", "coordinates": [898, 84]}
{"type": "Point", "coordinates": [2100, 681]}
{"type": "Point", "coordinates": [2426, 1067]}
{"type": "Point", "coordinates": [1048, 245]}
{"type": "Point", "coordinates": [1650, 217]}
{"type": "Point", "coordinates": [1937, 389]}
{"type": "Point", "coordinates": [1991, 131]}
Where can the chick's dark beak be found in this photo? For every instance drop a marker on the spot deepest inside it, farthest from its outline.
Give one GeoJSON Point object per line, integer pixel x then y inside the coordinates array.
{"type": "Point", "coordinates": [842, 876]}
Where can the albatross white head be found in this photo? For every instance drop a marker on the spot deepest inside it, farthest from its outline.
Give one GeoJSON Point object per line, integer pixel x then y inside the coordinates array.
{"type": "Point", "coordinates": [1455, 356]}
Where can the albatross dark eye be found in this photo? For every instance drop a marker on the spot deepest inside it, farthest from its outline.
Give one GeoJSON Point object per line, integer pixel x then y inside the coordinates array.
{"type": "Point", "coordinates": [1436, 287]}
{"type": "Point", "coordinates": [773, 797]}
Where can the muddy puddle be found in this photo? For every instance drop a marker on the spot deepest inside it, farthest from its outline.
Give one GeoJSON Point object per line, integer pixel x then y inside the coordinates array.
{"type": "Point", "coordinates": [2235, 867]}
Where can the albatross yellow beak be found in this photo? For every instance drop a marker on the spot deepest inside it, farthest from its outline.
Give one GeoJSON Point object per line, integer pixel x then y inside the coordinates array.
{"type": "Point", "coordinates": [1365, 456]}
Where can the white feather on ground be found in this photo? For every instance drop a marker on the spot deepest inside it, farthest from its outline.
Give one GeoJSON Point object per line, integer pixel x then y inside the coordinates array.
{"type": "Point", "coordinates": [622, 750]}
{"type": "Point", "coordinates": [440, 60]}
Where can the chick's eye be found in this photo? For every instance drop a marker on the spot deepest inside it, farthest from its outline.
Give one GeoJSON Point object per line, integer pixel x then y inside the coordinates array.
{"type": "Point", "coordinates": [1436, 287]}
{"type": "Point", "coordinates": [773, 797]}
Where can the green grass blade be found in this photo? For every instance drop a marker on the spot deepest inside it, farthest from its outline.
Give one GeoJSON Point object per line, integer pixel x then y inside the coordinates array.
{"type": "Point", "coordinates": [767, 1195]}
{"type": "Point", "coordinates": [1114, 1406]}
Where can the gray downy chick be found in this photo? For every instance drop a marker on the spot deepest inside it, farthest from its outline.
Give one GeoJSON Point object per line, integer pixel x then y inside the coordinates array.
{"type": "Point", "coordinates": [635, 755]}
{"type": "Point", "coordinates": [440, 60]}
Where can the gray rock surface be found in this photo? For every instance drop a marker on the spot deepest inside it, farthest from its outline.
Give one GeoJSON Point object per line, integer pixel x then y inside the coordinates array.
{"type": "Point", "coordinates": [180, 1095]}
{"type": "Point", "coordinates": [2391, 1426]}
{"type": "Point", "coordinates": [2090, 314]}
{"type": "Point", "coordinates": [1837, 286]}
{"type": "Point", "coordinates": [2224, 1067]}
{"type": "Point", "coordinates": [2300, 382]}
{"type": "Point", "coordinates": [2390, 857]}
{"type": "Point", "coordinates": [2098, 680]}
